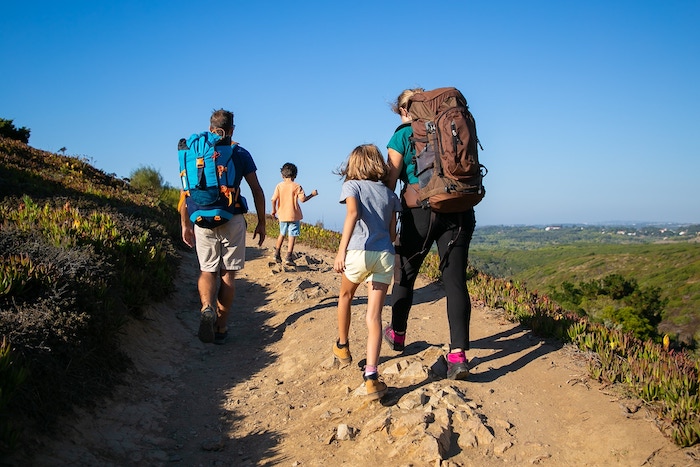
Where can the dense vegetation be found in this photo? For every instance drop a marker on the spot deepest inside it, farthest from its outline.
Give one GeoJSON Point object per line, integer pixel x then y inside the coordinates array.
{"type": "Point", "coordinates": [80, 252]}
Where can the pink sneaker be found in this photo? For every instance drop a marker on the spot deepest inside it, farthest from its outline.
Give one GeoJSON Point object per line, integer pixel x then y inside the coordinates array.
{"type": "Point", "coordinates": [396, 341]}
{"type": "Point", "coordinates": [457, 366]}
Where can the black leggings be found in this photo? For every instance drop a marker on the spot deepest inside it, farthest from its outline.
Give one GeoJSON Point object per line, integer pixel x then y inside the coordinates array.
{"type": "Point", "coordinates": [415, 229]}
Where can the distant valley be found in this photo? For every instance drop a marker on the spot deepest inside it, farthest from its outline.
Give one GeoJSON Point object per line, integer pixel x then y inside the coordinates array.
{"type": "Point", "coordinates": [655, 255]}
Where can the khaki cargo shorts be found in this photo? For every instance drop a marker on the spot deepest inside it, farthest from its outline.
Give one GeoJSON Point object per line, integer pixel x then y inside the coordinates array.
{"type": "Point", "coordinates": [222, 247]}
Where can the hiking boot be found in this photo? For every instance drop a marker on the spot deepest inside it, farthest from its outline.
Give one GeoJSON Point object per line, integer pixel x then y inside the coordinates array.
{"type": "Point", "coordinates": [206, 325]}
{"type": "Point", "coordinates": [457, 366]}
{"type": "Point", "coordinates": [289, 261]}
{"type": "Point", "coordinates": [375, 388]}
{"type": "Point", "coordinates": [278, 257]}
{"type": "Point", "coordinates": [342, 353]}
{"type": "Point", "coordinates": [220, 338]}
{"type": "Point", "coordinates": [396, 341]}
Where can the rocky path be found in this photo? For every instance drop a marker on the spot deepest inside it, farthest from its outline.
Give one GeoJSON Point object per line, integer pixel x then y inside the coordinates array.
{"type": "Point", "coordinates": [273, 395]}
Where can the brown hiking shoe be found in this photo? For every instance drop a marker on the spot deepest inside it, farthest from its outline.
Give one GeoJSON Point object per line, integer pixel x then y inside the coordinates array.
{"type": "Point", "coordinates": [342, 353]}
{"type": "Point", "coordinates": [375, 388]}
{"type": "Point", "coordinates": [220, 335]}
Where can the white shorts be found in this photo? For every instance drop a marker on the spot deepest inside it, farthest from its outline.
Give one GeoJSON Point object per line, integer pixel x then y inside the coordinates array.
{"type": "Point", "coordinates": [370, 266]}
{"type": "Point", "coordinates": [222, 247]}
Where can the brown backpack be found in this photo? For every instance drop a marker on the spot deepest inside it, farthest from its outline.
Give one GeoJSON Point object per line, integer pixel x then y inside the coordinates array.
{"type": "Point", "coordinates": [447, 156]}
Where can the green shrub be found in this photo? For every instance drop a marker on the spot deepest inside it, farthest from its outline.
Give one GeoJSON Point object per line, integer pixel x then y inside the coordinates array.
{"type": "Point", "coordinates": [147, 179]}
{"type": "Point", "coordinates": [618, 301]}
{"type": "Point", "coordinates": [170, 197]}
{"type": "Point", "coordinates": [8, 130]}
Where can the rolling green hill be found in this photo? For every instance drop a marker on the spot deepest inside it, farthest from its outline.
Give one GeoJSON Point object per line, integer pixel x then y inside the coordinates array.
{"type": "Point", "coordinates": [543, 260]}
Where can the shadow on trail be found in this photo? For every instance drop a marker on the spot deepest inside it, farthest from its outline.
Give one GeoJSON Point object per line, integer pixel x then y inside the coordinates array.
{"type": "Point", "coordinates": [429, 293]}
{"type": "Point", "coordinates": [327, 302]}
{"type": "Point", "coordinates": [223, 368]}
{"type": "Point", "coordinates": [394, 394]}
{"type": "Point", "coordinates": [254, 252]}
{"type": "Point", "coordinates": [250, 337]}
{"type": "Point", "coordinates": [513, 341]}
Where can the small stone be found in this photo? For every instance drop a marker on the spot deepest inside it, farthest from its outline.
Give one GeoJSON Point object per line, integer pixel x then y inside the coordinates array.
{"type": "Point", "coordinates": [213, 445]}
{"type": "Point", "coordinates": [505, 424]}
{"type": "Point", "coordinates": [414, 370]}
{"type": "Point", "coordinates": [393, 369]}
{"type": "Point", "coordinates": [330, 363]}
{"type": "Point", "coordinates": [502, 448]}
{"type": "Point", "coordinates": [344, 432]}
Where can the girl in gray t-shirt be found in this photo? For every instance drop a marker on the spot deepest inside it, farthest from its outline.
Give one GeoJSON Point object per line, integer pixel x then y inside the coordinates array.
{"type": "Point", "coordinates": [366, 253]}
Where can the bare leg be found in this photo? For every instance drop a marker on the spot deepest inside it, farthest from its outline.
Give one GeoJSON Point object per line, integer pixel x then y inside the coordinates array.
{"type": "Point", "coordinates": [225, 300]}
{"type": "Point", "coordinates": [207, 285]}
{"type": "Point", "coordinates": [280, 240]}
{"type": "Point", "coordinates": [376, 295]}
{"type": "Point", "coordinates": [290, 245]}
{"type": "Point", "coordinates": [347, 292]}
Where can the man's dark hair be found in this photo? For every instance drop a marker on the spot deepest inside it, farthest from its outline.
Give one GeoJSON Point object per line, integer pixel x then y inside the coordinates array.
{"type": "Point", "coordinates": [221, 119]}
{"type": "Point", "coordinates": [289, 170]}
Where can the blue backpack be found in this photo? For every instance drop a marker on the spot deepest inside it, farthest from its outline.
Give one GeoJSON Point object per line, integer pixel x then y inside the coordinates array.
{"type": "Point", "coordinates": [208, 176]}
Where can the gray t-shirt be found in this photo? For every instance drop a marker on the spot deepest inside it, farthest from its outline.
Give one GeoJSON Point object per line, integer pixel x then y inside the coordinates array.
{"type": "Point", "coordinates": [376, 205]}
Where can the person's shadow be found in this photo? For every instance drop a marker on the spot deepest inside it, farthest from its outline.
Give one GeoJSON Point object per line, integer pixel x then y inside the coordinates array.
{"type": "Point", "coordinates": [515, 340]}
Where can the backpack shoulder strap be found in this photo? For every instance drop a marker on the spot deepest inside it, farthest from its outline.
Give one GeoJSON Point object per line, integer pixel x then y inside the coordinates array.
{"type": "Point", "coordinates": [427, 242]}
{"type": "Point", "coordinates": [198, 140]}
{"type": "Point", "coordinates": [403, 125]}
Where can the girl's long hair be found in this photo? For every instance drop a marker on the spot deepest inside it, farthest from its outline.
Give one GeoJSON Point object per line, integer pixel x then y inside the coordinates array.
{"type": "Point", "coordinates": [365, 162]}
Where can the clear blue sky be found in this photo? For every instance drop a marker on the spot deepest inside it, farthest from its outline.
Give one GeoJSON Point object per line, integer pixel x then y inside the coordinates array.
{"type": "Point", "coordinates": [587, 111]}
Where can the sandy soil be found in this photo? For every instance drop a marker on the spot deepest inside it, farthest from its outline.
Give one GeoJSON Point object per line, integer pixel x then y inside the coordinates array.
{"type": "Point", "coordinates": [272, 394]}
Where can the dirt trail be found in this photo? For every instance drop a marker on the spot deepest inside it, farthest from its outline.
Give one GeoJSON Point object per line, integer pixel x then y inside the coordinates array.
{"type": "Point", "coordinates": [272, 395]}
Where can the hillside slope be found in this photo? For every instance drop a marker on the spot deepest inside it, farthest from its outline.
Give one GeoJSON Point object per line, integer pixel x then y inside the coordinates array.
{"type": "Point", "coordinates": [79, 252]}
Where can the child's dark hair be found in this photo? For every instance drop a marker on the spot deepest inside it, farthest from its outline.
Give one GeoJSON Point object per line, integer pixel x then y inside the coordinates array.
{"type": "Point", "coordinates": [365, 162]}
{"type": "Point", "coordinates": [289, 170]}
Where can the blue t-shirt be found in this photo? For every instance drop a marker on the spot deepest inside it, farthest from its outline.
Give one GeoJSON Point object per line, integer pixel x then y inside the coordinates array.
{"type": "Point", "coordinates": [376, 205]}
{"type": "Point", "coordinates": [401, 143]}
{"type": "Point", "coordinates": [244, 164]}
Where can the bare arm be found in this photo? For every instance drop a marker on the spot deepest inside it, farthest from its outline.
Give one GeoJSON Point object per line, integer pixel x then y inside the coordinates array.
{"type": "Point", "coordinates": [259, 201]}
{"type": "Point", "coordinates": [392, 228]}
{"type": "Point", "coordinates": [395, 162]}
{"type": "Point", "coordinates": [308, 197]}
{"type": "Point", "coordinates": [351, 217]}
{"type": "Point", "coordinates": [275, 205]}
{"type": "Point", "coordinates": [185, 222]}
